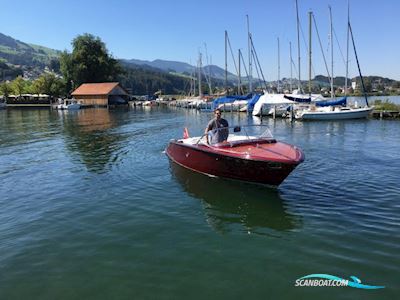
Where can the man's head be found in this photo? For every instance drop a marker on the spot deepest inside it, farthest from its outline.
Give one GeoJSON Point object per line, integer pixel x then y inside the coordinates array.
{"type": "Point", "coordinates": [217, 113]}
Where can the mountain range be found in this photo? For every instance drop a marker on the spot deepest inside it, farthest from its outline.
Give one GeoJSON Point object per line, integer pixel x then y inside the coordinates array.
{"type": "Point", "coordinates": [27, 56]}
{"type": "Point", "coordinates": [19, 53]}
{"type": "Point", "coordinates": [181, 68]}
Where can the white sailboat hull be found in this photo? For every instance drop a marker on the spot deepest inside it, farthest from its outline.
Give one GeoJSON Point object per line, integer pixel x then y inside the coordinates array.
{"type": "Point", "coordinates": [267, 102]}
{"type": "Point", "coordinates": [343, 114]}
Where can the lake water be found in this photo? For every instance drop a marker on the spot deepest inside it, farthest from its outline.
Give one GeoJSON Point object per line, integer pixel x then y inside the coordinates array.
{"type": "Point", "coordinates": [91, 208]}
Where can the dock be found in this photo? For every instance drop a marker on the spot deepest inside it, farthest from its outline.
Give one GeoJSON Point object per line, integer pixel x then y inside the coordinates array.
{"type": "Point", "coordinates": [385, 114]}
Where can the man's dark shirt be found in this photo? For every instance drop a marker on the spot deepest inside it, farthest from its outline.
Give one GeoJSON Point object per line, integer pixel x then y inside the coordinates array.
{"type": "Point", "coordinates": [218, 136]}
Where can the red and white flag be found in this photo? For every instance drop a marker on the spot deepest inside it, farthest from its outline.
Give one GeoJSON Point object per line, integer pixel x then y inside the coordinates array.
{"type": "Point", "coordinates": [185, 133]}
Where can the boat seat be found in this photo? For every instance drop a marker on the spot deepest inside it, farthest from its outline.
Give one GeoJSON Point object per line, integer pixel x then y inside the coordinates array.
{"type": "Point", "coordinates": [242, 142]}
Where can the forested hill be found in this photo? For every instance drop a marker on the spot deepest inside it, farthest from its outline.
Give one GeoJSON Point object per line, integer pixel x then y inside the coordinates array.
{"type": "Point", "coordinates": [144, 79]}
{"type": "Point", "coordinates": [19, 58]}
{"type": "Point", "coordinates": [176, 67]}
{"type": "Point", "coordinates": [340, 81]}
{"type": "Point", "coordinates": [19, 53]}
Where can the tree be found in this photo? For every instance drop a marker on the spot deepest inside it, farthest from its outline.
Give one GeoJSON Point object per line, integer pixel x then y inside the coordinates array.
{"type": "Point", "coordinates": [66, 68]}
{"type": "Point", "coordinates": [5, 89]}
{"type": "Point", "coordinates": [55, 65]}
{"type": "Point", "coordinates": [18, 85]}
{"type": "Point", "coordinates": [88, 62]}
{"type": "Point", "coordinates": [396, 84]}
{"type": "Point", "coordinates": [367, 85]}
{"type": "Point", "coordinates": [38, 86]}
{"type": "Point", "coordinates": [48, 84]}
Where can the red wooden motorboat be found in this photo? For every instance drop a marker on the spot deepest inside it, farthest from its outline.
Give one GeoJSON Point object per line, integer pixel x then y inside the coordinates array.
{"type": "Point", "coordinates": [249, 157]}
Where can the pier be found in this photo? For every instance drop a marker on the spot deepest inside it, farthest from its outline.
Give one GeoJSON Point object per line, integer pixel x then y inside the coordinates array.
{"type": "Point", "coordinates": [385, 114]}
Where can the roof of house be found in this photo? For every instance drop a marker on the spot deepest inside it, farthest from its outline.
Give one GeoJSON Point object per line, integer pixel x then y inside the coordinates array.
{"type": "Point", "coordinates": [103, 88]}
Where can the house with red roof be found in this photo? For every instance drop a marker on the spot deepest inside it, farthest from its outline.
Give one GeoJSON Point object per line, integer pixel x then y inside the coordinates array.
{"type": "Point", "coordinates": [101, 94]}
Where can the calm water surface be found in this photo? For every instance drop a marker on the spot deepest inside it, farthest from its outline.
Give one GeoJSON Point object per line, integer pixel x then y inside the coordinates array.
{"type": "Point", "coordinates": [91, 208]}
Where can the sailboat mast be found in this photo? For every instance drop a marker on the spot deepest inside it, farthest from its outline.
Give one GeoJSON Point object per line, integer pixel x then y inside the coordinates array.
{"type": "Point", "coordinates": [298, 44]}
{"type": "Point", "coordinates": [347, 50]}
{"type": "Point", "coordinates": [310, 52]}
{"type": "Point", "coordinates": [194, 81]}
{"type": "Point", "coordinates": [331, 40]}
{"type": "Point", "coordinates": [291, 67]}
{"type": "Point", "coordinates": [279, 68]}
{"type": "Point", "coordinates": [358, 65]}
{"type": "Point", "coordinates": [239, 77]}
{"type": "Point", "coordinates": [208, 76]}
{"type": "Point", "coordinates": [200, 68]}
{"type": "Point", "coordinates": [226, 61]}
{"type": "Point", "coordinates": [250, 56]}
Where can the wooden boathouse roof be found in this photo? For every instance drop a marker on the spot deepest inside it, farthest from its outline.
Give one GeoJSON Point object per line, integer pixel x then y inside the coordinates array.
{"type": "Point", "coordinates": [103, 88]}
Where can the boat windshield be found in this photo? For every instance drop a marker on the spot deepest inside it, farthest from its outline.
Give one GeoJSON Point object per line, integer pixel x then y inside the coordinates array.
{"type": "Point", "coordinates": [236, 133]}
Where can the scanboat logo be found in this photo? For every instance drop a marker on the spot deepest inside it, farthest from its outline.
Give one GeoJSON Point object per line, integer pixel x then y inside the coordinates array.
{"type": "Point", "coordinates": [330, 280]}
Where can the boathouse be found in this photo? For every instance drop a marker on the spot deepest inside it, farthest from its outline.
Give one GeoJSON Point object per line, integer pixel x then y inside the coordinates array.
{"type": "Point", "coordinates": [101, 94]}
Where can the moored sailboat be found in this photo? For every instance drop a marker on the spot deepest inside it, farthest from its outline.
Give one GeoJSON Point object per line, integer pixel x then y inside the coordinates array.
{"type": "Point", "coordinates": [337, 108]}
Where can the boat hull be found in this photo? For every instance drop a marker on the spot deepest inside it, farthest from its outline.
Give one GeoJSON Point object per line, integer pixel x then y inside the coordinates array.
{"type": "Point", "coordinates": [336, 115]}
{"type": "Point", "coordinates": [205, 160]}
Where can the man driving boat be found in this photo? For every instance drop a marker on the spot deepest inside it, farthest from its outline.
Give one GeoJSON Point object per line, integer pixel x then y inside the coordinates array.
{"type": "Point", "coordinates": [217, 129]}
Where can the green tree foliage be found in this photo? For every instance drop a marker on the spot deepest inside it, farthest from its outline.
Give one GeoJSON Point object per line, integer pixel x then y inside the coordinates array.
{"type": "Point", "coordinates": [18, 85]}
{"type": "Point", "coordinates": [396, 84]}
{"type": "Point", "coordinates": [88, 62]}
{"type": "Point", "coordinates": [48, 84]}
{"type": "Point", "coordinates": [5, 89]}
{"type": "Point", "coordinates": [367, 85]}
{"type": "Point", "coordinates": [37, 86]}
{"type": "Point", "coordinates": [386, 105]}
{"type": "Point", "coordinates": [66, 69]}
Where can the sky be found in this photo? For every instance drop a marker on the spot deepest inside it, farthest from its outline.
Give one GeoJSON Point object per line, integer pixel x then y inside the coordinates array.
{"type": "Point", "coordinates": [178, 30]}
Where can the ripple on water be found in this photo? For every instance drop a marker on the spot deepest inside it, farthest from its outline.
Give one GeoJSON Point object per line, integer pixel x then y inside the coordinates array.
{"type": "Point", "coordinates": [92, 194]}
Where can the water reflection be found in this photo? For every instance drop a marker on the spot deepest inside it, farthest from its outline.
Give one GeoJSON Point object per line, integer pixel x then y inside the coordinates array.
{"type": "Point", "coordinates": [90, 134]}
{"type": "Point", "coordinates": [228, 203]}
{"type": "Point", "coordinates": [23, 126]}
